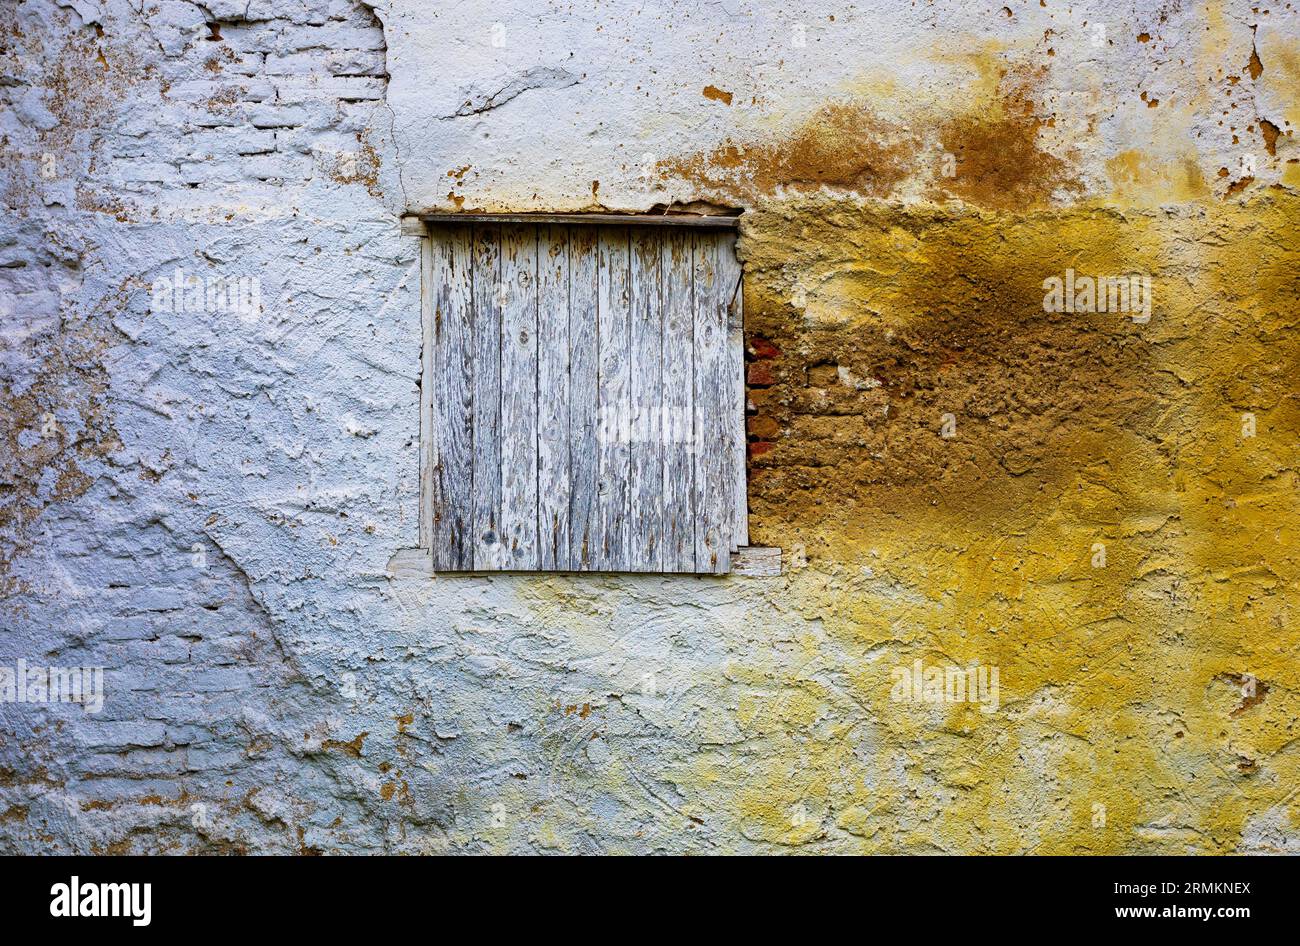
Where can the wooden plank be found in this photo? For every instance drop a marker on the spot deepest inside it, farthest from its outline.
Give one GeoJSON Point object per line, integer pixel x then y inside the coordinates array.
{"type": "Point", "coordinates": [553, 398]}
{"type": "Point", "coordinates": [646, 430]}
{"type": "Point", "coordinates": [714, 503]}
{"type": "Point", "coordinates": [695, 221]}
{"type": "Point", "coordinates": [677, 275]}
{"type": "Point", "coordinates": [410, 563]}
{"type": "Point", "coordinates": [585, 409]}
{"type": "Point", "coordinates": [584, 517]}
{"type": "Point", "coordinates": [449, 360]}
{"type": "Point", "coordinates": [519, 397]}
{"type": "Point", "coordinates": [733, 393]}
{"type": "Point", "coordinates": [613, 397]}
{"type": "Point", "coordinates": [488, 549]}
{"type": "Point", "coordinates": [756, 562]}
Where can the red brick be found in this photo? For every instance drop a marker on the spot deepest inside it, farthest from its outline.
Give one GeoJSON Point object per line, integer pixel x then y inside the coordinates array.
{"type": "Point", "coordinates": [760, 447]}
{"type": "Point", "coordinates": [760, 347]}
{"type": "Point", "coordinates": [760, 375]}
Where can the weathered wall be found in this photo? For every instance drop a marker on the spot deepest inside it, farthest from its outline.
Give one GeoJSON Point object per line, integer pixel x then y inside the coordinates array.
{"type": "Point", "coordinates": [205, 502]}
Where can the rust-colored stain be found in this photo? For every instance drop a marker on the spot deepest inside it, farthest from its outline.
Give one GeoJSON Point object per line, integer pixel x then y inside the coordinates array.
{"type": "Point", "coordinates": [1237, 186]}
{"type": "Point", "coordinates": [68, 413]}
{"type": "Point", "coordinates": [361, 166]}
{"type": "Point", "coordinates": [1252, 695]}
{"type": "Point", "coordinates": [1096, 524]}
{"type": "Point", "coordinates": [933, 313]}
{"type": "Point", "coordinates": [998, 160]}
{"type": "Point", "coordinates": [843, 146]}
{"type": "Point", "coordinates": [14, 814]}
{"type": "Point", "coordinates": [1254, 66]}
{"type": "Point", "coordinates": [352, 748]}
{"type": "Point", "coordinates": [1000, 164]}
{"type": "Point", "coordinates": [1270, 133]}
{"type": "Point", "coordinates": [717, 94]}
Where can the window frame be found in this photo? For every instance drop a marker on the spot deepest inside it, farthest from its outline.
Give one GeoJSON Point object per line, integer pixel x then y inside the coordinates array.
{"type": "Point", "coordinates": [744, 559]}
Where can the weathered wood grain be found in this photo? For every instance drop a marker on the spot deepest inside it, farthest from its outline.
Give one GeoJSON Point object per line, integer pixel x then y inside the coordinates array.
{"type": "Point", "coordinates": [660, 222]}
{"type": "Point", "coordinates": [613, 400]}
{"type": "Point", "coordinates": [584, 373]}
{"type": "Point", "coordinates": [450, 385]}
{"type": "Point", "coordinates": [488, 293]}
{"type": "Point", "coordinates": [732, 408]}
{"type": "Point", "coordinates": [714, 502]}
{"type": "Point", "coordinates": [646, 430]}
{"type": "Point", "coordinates": [677, 275]}
{"type": "Point", "coordinates": [756, 562]}
{"type": "Point", "coordinates": [519, 397]}
{"type": "Point", "coordinates": [583, 397]}
{"type": "Point", "coordinates": [553, 315]}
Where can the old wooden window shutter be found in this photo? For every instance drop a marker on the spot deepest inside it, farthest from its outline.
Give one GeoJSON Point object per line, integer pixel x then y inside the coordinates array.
{"type": "Point", "coordinates": [583, 397]}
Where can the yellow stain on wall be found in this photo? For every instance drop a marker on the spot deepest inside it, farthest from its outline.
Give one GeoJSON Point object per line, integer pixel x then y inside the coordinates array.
{"type": "Point", "coordinates": [1168, 446]}
{"type": "Point", "coordinates": [1099, 505]}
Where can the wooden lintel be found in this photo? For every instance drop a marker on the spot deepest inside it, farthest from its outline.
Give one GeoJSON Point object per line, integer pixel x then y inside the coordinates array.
{"type": "Point", "coordinates": [717, 222]}
{"type": "Point", "coordinates": [748, 560]}
{"type": "Point", "coordinates": [756, 562]}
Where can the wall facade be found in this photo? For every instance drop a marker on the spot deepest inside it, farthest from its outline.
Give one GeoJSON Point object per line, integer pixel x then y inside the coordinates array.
{"type": "Point", "coordinates": [210, 355]}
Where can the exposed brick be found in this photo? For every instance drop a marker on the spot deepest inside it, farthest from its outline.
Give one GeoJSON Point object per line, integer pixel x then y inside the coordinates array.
{"type": "Point", "coordinates": [357, 62]}
{"type": "Point", "coordinates": [823, 375]}
{"type": "Point", "coordinates": [111, 735]}
{"type": "Point", "coordinates": [760, 375]}
{"type": "Point", "coordinates": [277, 116]}
{"type": "Point", "coordinates": [764, 428]}
{"type": "Point", "coordinates": [761, 347]}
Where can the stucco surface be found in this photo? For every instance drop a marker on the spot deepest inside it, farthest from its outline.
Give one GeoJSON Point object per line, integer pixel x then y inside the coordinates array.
{"type": "Point", "coordinates": [212, 512]}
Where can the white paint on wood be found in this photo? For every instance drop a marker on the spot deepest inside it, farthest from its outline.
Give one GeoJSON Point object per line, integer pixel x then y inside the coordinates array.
{"type": "Point", "coordinates": [585, 399]}
{"type": "Point", "coordinates": [645, 430]}
{"type": "Point", "coordinates": [583, 377]}
{"type": "Point", "coordinates": [518, 517]}
{"type": "Point", "coordinates": [553, 475]}
{"type": "Point", "coordinates": [732, 394]}
{"type": "Point", "coordinates": [449, 361]}
{"type": "Point", "coordinates": [713, 500]}
{"type": "Point", "coordinates": [660, 222]}
{"type": "Point", "coordinates": [678, 372]}
{"type": "Point", "coordinates": [756, 562]}
{"type": "Point", "coordinates": [613, 396]}
{"type": "Point", "coordinates": [410, 563]}
{"type": "Point", "coordinates": [488, 292]}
